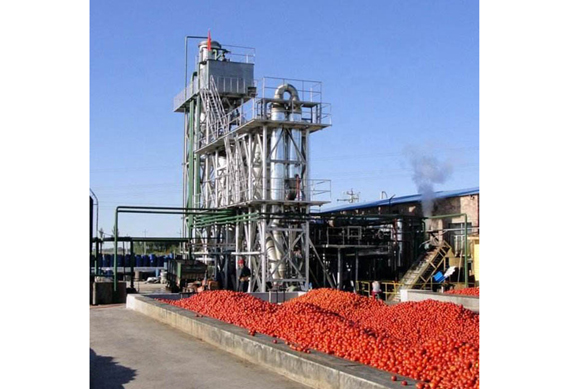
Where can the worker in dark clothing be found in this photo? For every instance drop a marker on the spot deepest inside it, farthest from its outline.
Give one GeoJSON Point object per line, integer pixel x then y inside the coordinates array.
{"type": "Point", "coordinates": [243, 276]}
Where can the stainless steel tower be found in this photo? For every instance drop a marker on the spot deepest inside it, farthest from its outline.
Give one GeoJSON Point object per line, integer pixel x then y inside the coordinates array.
{"type": "Point", "coordinates": [247, 151]}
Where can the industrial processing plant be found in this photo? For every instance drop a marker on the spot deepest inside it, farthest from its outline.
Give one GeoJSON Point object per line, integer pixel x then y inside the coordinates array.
{"type": "Point", "coordinates": [249, 195]}
{"type": "Point", "coordinates": [264, 271]}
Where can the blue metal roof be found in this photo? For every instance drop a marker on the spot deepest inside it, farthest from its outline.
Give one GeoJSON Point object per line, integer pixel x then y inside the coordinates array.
{"type": "Point", "coordinates": [403, 199]}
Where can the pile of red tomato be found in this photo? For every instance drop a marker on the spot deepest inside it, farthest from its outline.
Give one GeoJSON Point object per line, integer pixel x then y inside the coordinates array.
{"type": "Point", "coordinates": [465, 292]}
{"type": "Point", "coordinates": [434, 342]}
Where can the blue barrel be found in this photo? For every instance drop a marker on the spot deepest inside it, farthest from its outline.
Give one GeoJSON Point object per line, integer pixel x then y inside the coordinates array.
{"type": "Point", "coordinates": [146, 261]}
{"type": "Point", "coordinates": [120, 260]}
{"type": "Point", "coordinates": [152, 260]}
{"type": "Point", "coordinates": [161, 261]}
{"type": "Point", "coordinates": [100, 260]}
{"type": "Point", "coordinates": [127, 261]}
{"type": "Point", "coordinates": [107, 260]}
{"type": "Point", "coordinates": [138, 261]}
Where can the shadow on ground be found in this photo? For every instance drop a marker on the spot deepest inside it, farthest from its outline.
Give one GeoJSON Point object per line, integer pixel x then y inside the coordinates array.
{"type": "Point", "coordinates": [104, 373]}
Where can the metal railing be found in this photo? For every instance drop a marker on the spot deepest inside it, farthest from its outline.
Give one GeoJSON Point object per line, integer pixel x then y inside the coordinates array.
{"type": "Point", "coordinates": [185, 94]}
{"type": "Point", "coordinates": [251, 110]}
{"type": "Point", "coordinates": [388, 288]}
{"type": "Point", "coordinates": [235, 53]}
{"type": "Point", "coordinates": [239, 192]}
{"type": "Point", "coordinates": [308, 90]}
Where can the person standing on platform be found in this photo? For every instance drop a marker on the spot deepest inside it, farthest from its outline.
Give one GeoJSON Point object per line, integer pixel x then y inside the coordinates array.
{"type": "Point", "coordinates": [376, 290]}
{"type": "Point", "coordinates": [244, 274]}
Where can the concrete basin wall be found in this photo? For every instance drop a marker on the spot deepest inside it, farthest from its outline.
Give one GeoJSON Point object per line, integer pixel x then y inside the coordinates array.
{"type": "Point", "coordinates": [316, 370]}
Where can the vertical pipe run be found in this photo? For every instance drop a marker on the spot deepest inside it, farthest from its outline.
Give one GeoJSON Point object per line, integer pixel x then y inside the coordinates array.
{"type": "Point", "coordinates": [250, 168]}
{"type": "Point", "coordinates": [96, 261]}
{"type": "Point", "coordinates": [356, 271]}
{"type": "Point", "coordinates": [306, 256]}
{"type": "Point", "coordinates": [131, 260]}
{"type": "Point", "coordinates": [264, 165]}
{"type": "Point", "coordinates": [339, 270]}
{"type": "Point", "coordinates": [263, 255]}
{"type": "Point", "coordinates": [465, 251]}
{"type": "Point", "coordinates": [239, 225]}
{"type": "Point", "coordinates": [306, 177]}
{"type": "Point", "coordinates": [116, 233]}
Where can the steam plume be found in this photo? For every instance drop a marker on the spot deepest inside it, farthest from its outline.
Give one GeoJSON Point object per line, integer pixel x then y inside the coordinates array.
{"type": "Point", "coordinates": [428, 171]}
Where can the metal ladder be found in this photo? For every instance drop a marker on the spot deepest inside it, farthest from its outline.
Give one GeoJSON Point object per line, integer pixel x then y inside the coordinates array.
{"type": "Point", "coordinates": [217, 121]}
{"type": "Point", "coordinates": [422, 271]}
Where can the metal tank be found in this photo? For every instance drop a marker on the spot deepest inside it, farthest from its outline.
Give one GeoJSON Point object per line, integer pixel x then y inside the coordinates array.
{"type": "Point", "coordinates": [286, 149]}
{"type": "Point", "coordinates": [277, 155]}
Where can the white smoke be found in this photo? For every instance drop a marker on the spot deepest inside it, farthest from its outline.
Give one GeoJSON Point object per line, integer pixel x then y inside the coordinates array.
{"type": "Point", "coordinates": [428, 171]}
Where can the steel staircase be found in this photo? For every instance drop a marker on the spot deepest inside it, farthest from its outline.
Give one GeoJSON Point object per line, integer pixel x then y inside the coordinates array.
{"type": "Point", "coordinates": [217, 121]}
{"type": "Point", "coordinates": [421, 272]}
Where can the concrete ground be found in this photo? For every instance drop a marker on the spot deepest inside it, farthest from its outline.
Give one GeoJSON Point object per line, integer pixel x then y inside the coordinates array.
{"type": "Point", "coordinates": [130, 350]}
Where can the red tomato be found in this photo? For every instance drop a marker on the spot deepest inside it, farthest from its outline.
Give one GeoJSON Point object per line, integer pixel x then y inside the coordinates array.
{"type": "Point", "coordinates": [428, 340]}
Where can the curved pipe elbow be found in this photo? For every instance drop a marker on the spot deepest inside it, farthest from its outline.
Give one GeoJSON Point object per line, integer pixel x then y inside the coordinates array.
{"type": "Point", "coordinates": [281, 89]}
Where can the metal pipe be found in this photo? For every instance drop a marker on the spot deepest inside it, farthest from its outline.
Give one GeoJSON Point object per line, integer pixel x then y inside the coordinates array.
{"type": "Point", "coordinates": [264, 255]}
{"type": "Point", "coordinates": [264, 164]}
{"type": "Point", "coordinates": [186, 59]}
{"type": "Point", "coordinates": [131, 260]}
{"type": "Point", "coordinates": [339, 270]}
{"type": "Point", "coordinates": [189, 161]}
{"type": "Point", "coordinates": [115, 233]}
{"type": "Point", "coordinates": [281, 89]}
{"type": "Point", "coordinates": [96, 212]}
{"type": "Point", "coordinates": [226, 221]}
{"type": "Point", "coordinates": [96, 261]}
{"type": "Point", "coordinates": [145, 210]}
{"type": "Point", "coordinates": [356, 271]}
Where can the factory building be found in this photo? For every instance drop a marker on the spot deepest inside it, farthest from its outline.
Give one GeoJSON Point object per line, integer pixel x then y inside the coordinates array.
{"type": "Point", "coordinates": [396, 241]}
{"type": "Point", "coordinates": [442, 203]}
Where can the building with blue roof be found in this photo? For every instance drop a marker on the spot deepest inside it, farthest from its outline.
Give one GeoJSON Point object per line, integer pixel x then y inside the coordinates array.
{"type": "Point", "coordinates": [438, 198]}
{"type": "Point", "coordinates": [450, 216]}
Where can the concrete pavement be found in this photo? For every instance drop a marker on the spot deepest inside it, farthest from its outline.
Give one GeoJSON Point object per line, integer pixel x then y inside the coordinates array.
{"type": "Point", "coordinates": [131, 350]}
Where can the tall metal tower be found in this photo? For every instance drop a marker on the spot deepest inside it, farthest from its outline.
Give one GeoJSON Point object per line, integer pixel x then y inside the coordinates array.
{"type": "Point", "coordinates": [247, 152]}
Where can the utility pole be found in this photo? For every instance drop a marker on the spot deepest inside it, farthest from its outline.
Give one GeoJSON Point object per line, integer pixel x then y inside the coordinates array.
{"type": "Point", "coordinates": [352, 196]}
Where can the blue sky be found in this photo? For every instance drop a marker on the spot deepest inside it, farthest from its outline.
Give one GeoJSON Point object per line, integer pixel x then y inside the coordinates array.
{"type": "Point", "coordinates": [402, 78]}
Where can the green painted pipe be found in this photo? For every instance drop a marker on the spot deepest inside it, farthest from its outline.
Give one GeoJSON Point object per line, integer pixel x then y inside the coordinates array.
{"type": "Point", "coordinates": [150, 210]}
{"type": "Point", "coordinates": [220, 216]}
{"type": "Point", "coordinates": [190, 156]}
{"type": "Point", "coordinates": [226, 220]}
